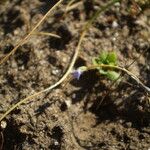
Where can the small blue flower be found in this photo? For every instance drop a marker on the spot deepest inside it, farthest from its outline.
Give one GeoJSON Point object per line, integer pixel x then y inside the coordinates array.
{"type": "Point", "coordinates": [77, 73]}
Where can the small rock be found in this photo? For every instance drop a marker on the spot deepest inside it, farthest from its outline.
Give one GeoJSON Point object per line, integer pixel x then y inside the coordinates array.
{"type": "Point", "coordinates": [115, 24]}
{"type": "Point", "coordinates": [68, 103]}
{"type": "Point", "coordinates": [3, 124]}
{"type": "Point", "coordinates": [55, 72]}
{"type": "Point", "coordinates": [128, 124]}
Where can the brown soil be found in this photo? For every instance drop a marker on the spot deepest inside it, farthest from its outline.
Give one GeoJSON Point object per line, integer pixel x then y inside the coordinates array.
{"type": "Point", "coordinates": [70, 117]}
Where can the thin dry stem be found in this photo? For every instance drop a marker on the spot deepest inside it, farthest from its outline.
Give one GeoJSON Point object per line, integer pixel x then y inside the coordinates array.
{"type": "Point", "coordinates": [47, 34]}
{"type": "Point", "coordinates": [73, 6]}
{"type": "Point", "coordinates": [124, 70]}
{"type": "Point", "coordinates": [72, 62]}
{"type": "Point", "coordinates": [22, 41]}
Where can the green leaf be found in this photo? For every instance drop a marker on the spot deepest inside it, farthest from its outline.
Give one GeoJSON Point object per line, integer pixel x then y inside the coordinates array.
{"type": "Point", "coordinates": [111, 58]}
{"type": "Point", "coordinates": [112, 75]}
{"type": "Point", "coordinates": [103, 57]}
{"type": "Point", "coordinates": [95, 61]}
{"type": "Point", "coordinates": [103, 72]}
{"type": "Point", "coordinates": [108, 58]}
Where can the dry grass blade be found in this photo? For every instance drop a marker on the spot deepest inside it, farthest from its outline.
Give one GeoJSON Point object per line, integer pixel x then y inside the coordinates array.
{"type": "Point", "coordinates": [134, 77]}
{"type": "Point", "coordinates": [22, 41]}
{"type": "Point", "coordinates": [72, 62]}
{"type": "Point", "coordinates": [51, 87]}
{"type": "Point", "coordinates": [47, 34]}
{"type": "Point", "coordinates": [70, 3]}
{"type": "Point", "coordinates": [73, 6]}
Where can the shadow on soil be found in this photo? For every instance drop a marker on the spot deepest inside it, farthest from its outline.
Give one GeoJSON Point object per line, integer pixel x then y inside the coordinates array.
{"type": "Point", "coordinates": [114, 105]}
{"type": "Point", "coordinates": [13, 138]}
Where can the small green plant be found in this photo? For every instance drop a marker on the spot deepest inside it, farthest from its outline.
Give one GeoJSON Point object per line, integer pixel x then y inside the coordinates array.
{"type": "Point", "coordinates": [106, 64]}
{"type": "Point", "coordinates": [107, 58]}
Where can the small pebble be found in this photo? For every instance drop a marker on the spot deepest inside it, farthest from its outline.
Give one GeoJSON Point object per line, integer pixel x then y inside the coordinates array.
{"type": "Point", "coordinates": [3, 124]}
{"type": "Point", "coordinates": [128, 124]}
{"type": "Point", "coordinates": [113, 38]}
{"type": "Point", "coordinates": [56, 143]}
{"type": "Point", "coordinates": [55, 72]}
{"type": "Point", "coordinates": [68, 103]}
{"type": "Point", "coordinates": [14, 64]}
{"type": "Point", "coordinates": [114, 24]}
{"type": "Point", "coordinates": [73, 96]}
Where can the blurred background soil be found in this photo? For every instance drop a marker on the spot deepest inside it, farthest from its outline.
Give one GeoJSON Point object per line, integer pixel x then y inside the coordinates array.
{"type": "Point", "coordinates": [70, 117]}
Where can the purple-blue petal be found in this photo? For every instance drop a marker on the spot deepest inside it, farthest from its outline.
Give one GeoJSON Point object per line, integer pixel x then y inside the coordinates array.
{"type": "Point", "coordinates": [76, 74]}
